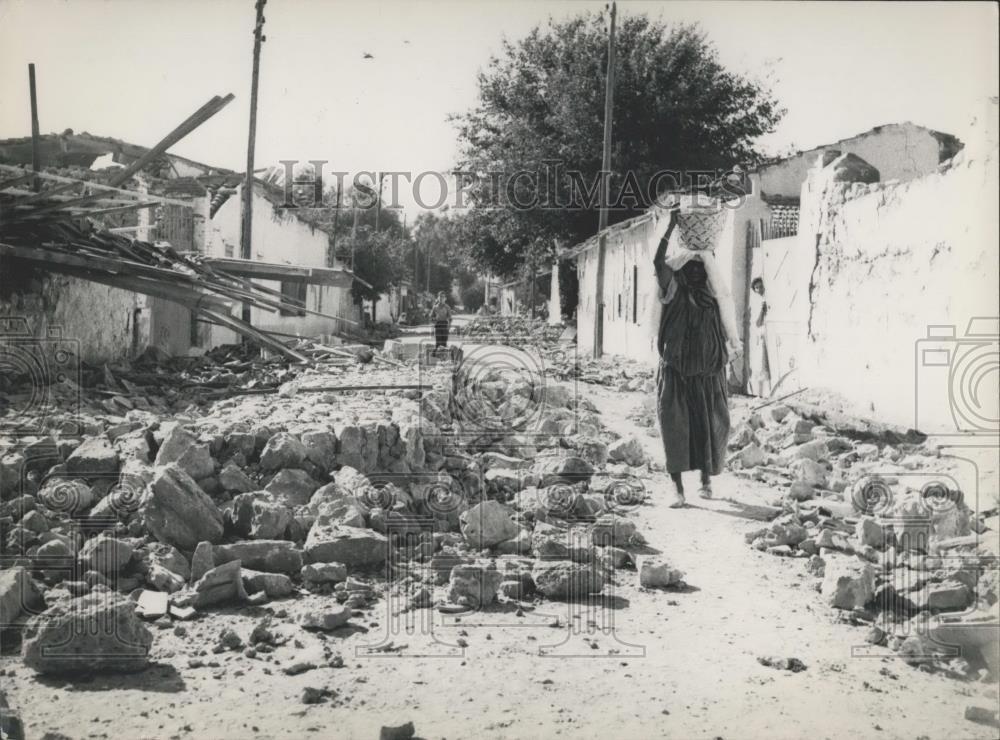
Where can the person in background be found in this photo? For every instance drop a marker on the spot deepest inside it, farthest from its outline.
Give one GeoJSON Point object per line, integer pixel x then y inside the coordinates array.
{"type": "Point", "coordinates": [441, 316]}
{"type": "Point", "coordinates": [697, 336]}
{"type": "Point", "coordinates": [760, 370]}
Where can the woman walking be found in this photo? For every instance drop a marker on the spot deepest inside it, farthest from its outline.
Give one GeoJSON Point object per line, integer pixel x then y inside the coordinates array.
{"type": "Point", "coordinates": [697, 334]}
{"type": "Point", "coordinates": [441, 315]}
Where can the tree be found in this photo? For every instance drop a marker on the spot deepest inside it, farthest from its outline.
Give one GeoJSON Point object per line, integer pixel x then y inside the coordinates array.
{"type": "Point", "coordinates": [540, 110]}
{"type": "Point", "coordinates": [376, 260]}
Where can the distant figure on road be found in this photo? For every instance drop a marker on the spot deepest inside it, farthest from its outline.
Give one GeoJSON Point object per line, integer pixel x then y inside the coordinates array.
{"type": "Point", "coordinates": [697, 334]}
{"type": "Point", "coordinates": [760, 369]}
{"type": "Point", "coordinates": [441, 316]}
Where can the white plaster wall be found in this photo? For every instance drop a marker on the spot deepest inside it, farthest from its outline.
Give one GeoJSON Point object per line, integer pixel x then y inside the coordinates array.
{"type": "Point", "coordinates": [890, 261]}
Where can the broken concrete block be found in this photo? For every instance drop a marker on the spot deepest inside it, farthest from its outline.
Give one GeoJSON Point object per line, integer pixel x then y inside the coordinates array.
{"type": "Point", "coordinates": [655, 572]}
{"type": "Point", "coordinates": [95, 457]}
{"type": "Point", "coordinates": [473, 585]}
{"type": "Point", "coordinates": [627, 450]}
{"type": "Point", "coordinates": [19, 595]}
{"type": "Point", "coordinates": [611, 529]}
{"type": "Point", "coordinates": [326, 618]}
{"type": "Point", "coordinates": [182, 448]}
{"type": "Point", "coordinates": [565, 469]}
{"type": "Point", "coordinates": [848, 583]}
{"type": "Point", "coordinates": [98, 632]}
{"type": "Point", "coordinates": [152, 604]}
{"type": "Point", "coordinates": [222, 584]}
{"type": "Point", "coordinates": [105, 554]}
{"type": "Point", "coordinates": [175, 510]}
{"type": "Point", "coordinates": [352, 546]}
{"type": "Point", "coordinates": [255, 515]}
{"type": "Point", "coordinates": [870, 533]}
{"type": "Point", "coordinates": [275, 585]}
{"type": "Point", "coordinates": [68, 495]}
{"type": "Point", "coordinates": [292, 487]}
{"type": "Point", "coordinates": [269, 556]}
{"type": "Point", "coordinates": [947, 596]}
{"type": "Point", "coordinates": [487, 524]}
{"type": "Point", "coordinates": [324, 573]}
{"type": "Point", "coordinates": [752, 455]}
{"type": "Point", "coordinates": [283, 451]}
{"type": "Point", "coordinates": [809, 471]}
{"type": "Point", "coordinates": [202, 561]}
{"type": "Point", "coordinates": [234, 480]}
{"type": "Point", "coordinates": [321, 449]}
{"type": "Point", "coordinates": [566, 580]}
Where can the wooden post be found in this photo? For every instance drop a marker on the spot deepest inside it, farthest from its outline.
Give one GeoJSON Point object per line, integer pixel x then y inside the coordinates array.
{"type": "Point", "coordinates": [245, 233]}
{"type": "Point", "coordinates": [609, 88]}
{"type": "Point", "coordinates": [36, 157]}
{"type": "Point", "coordinates": [378, 204]}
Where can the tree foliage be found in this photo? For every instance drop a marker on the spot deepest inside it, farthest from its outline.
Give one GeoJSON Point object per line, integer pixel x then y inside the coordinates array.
{"type": "Point", "coordinates": [541, 101]}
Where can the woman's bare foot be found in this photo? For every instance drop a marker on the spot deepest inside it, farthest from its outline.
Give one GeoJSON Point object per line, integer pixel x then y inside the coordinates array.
{"type": "Point", "coordinates": [705, 491]}
{"type": "Point", "coordinates": [678, 490]}
{"type": "Point", "coordinates": [679, 501]}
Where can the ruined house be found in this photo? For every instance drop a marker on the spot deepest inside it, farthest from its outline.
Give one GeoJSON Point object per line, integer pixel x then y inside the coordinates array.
{"type": "Point", "coordinates": [202, 218]}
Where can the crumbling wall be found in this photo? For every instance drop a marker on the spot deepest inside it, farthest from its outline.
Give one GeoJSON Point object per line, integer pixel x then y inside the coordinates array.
{"type": "Point", "coordinates": [888, 262]}
{"type": "Point", "coordinates": [899, 151]}
{"type": "Point", "coordinates": [97, 322]}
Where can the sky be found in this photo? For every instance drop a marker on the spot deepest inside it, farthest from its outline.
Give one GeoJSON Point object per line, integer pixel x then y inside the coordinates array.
{"type": "Point", "coordinates": [133, 69]}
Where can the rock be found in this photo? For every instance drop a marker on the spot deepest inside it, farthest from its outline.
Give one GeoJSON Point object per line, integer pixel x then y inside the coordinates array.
{"type": "Point", "coordinates": [947, 596]}
{"type": "Point", "coordinates": [152, 604]}
{"type": "Point", "coordinates": [182, 448]}
{"type": "Point", "coordinates": [326, 618]}
{"type": "Point", "coordinates": [164, 580]}
{"type": "Point", "coordinates": [785, 664]}
{"type": "Point", "coordinates": [566, 580]}
{"type": "Point", "coordinates": [352, 546]}
{"type": "Point", "coordinates": [399, 732]}
{"type": "Point", "coordinates": [292, 487]}
{"type": "Point", "coordinates": [627, 450]}
{"type": "Point", "coordinates": [254, 515]}
{"type": "Point", "coordinates": [35, 521]}
{"type": "Point", "coordinates": [98, 632]}
{"type": "Point", "coordinates": [324, 573]}
{"type": "Point", "coordinates": [19, 596]}
{"type": "Point", "coordinates": [870, 533]}
{"type": "Point", "coordinates": [779, 411]}
{"type": "Point", "coordinates": [105, 554]}
{"type": "Point", "coordinates": [202, 561]}
{"type": "Point", "coordinates": [800, 490]}
{"type": "Point", "coordinates": [234, 480]}
{"type": "Point", "coordinates": [269, 556]}
{"type": "Point", "coordinates": [222, 584]}
{"type": "Point", "coordinates": [655, 572]}
{"type": "Point", "coordinates": [816, 450]}
{"type": "Point", "coordinates": [816, 566]}
{"type": "Point", "coordinates": [568, 469]}
{"type": "Point", "coordinates": [752, 455]}
{"type": "Point", "coordinates": [487, 524]}
{"type": "Point", "coordinates": [275, 585]}
{"type": "Point", "coordinates": [66, 495]}
{"type": "Point", "coordinates": [321, 449]}
{"type": "Point", "coordinates": [95, 457]}
{"type": "Point", "coordinates": [848, 583]}
{"type": "Point", "coordinates": [611, 529]}
{"type": "Point", "coordinates": [473, 585]}
{"type": "Point", "coordinates": [176, 511]}
{"type": "Point", "coordinates": [811, 472]}
{"type": "Point", "coordinates": [283, 451]}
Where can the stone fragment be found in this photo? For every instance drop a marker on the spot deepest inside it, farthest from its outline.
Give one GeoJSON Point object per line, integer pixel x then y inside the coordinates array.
{"type": "Point", "coordinates": [176, 511]}
{"type": "Point", "coordinates": [611, 529]}
{"type": "Point", "coordinates": [321, 449]}
{"type": "Point", "coordinates": [283, 451]}
{"type": "Point", "coordinates": [269, 556]}
{"type": "Point", "coordinates": [949, 595]}
{"type": "Point", "coordinates": [487, 524]}
{"type": "Point", "coordinates": [655, 572]}
{"type": "Point", "coordinates": [97, 632]}
{"type": "Point", "coordinates": [627, 450]}
{"type": "Point", "coordinates": [292, 487]}
{"type": "Point", "coordinates": [326, 618]}
{"type": "Point", "coordinates": [848, 583]}
{"type": "Point", "coordinates": [564, 469]}
{"type": "Point", "coordinates": [67, 495]}
{"type": "Point", "coordinates": [352, 546]}
{"type": "Point", "coordinates": [566, 580]}
{"type": "Point", "coordinates": [152, 604]}
{"type": "Point", "coordinates": [324, 573]}
{"type": "Point", "coordinates": [95, 457]}
{"type": "Point", "coordinates": [870, 533]}
{"type": "Point", "coordinates": [181, 447]}
{"type": "Point", "coordinates": [220, 585]}
{"type": "Point", "coordinates": [398, 732]}
{"type": "Point", "coordinates": [202, 561]}
{"type": "Point", "coordinates": [752, 455]}
{"type": "Point", "coordinates": [275, 585]}
{"type": "Point", "coordinates": [234, 480]}
{"type": "Point", "coordinates": [473, 585]}
{"type": "Point", "coordinates": [19, 595]}
{"type": "Point", "coordinates": [105, 554]}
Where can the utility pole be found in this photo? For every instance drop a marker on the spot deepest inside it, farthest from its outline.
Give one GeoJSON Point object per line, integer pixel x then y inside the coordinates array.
{"type": "Point", "coordinates": [36, 156]}
{"type": "Point", "coordinates": [245, 233]}
{"type": "Point", "coordinates": [378, 205]}
{"type": "Point", "coordinates": [609, 92]}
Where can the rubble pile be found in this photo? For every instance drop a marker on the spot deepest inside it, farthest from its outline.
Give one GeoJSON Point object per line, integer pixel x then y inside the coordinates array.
{"type": "Point", "coordinates": [479, 487]}
{"type": "Point", "coordinates": [508, 329]}
{"type": "Point", "coordinates": [885, 531]}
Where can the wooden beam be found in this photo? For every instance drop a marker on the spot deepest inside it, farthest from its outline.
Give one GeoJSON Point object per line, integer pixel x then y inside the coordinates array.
{"type": "Point", "coordinates": [98, 186]}
{"type": "Point", "coordinates": [36, 159]}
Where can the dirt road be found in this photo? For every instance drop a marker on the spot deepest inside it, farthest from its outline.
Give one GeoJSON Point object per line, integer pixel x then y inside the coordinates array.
{"type": "Point", "coordinates": [674, 664]}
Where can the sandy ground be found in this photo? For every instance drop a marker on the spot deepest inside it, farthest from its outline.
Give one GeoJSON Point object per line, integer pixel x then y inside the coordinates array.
{"type": "Point", "coordinates": [640, 664]}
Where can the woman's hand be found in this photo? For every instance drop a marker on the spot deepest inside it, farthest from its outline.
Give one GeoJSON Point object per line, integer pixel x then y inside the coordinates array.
{"type": "Point", "coordinates": [735, 349]}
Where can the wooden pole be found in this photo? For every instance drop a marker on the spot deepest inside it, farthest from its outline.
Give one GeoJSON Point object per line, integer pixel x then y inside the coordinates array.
{"type": "Point", "coordinates": [609, 90]}
{"type": "Point", "coordinates": [36, 158]}
{"type": "Point", "coordinates": [245, 233]}
{"type": "Point", "coordinates": [378, 205]}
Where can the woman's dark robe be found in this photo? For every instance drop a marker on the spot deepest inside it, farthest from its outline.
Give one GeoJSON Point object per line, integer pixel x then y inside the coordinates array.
{"type": "Point", "coordinates": [692, 402]}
